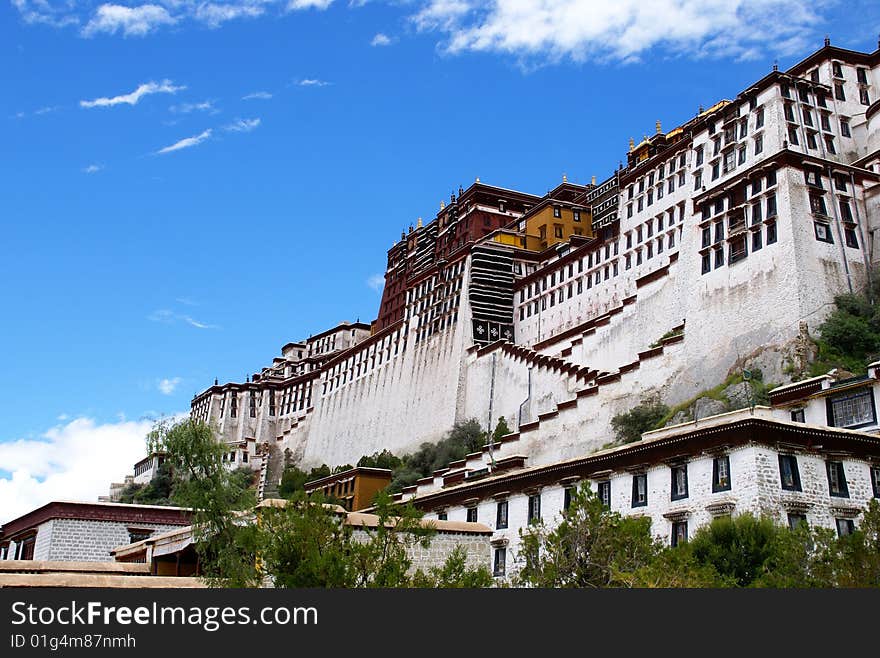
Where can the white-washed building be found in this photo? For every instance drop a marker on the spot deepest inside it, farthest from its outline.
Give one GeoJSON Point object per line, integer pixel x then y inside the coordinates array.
{"type": "Point", "coordinates": [724, 239]}
{"type": "Point", "coordinates": [680, 477]}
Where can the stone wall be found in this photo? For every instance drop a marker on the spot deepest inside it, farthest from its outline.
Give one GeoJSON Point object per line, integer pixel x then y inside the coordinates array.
{"type": "Point", "coordinates": [85, 541]}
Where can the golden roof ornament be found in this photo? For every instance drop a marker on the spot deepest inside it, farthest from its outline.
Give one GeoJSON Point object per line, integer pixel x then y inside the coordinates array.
{"type": "Point", "coordinates": [419, 224]}
{"type": "Point", "coordinates": [593, 180]}
{"type": "Point", "coordinates": [442, 204]}
{"type": "Point", "coordinates": [632, 143]}
{"type": "Point", "coordinates": [478, 179]}
{"type": "Point", "coordinates": [564, 178]}
{"type": "Point", "coordinates": [658, 127]}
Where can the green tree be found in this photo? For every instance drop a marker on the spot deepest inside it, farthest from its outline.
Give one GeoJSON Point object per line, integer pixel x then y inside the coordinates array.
{"type": "Point", "coordinates": [454, 573]}
{"type": "Point", "coordinates": [304, 543]}
{"type": "Point", "coordinates": [307, 543]}
{"type": "Point", "coordinates": [850, 335]}
{"type": "Point", "coordinates": [226, 542]}
{"type": "Point", "coordinates": [590, 547]}
{"type": "Point", "coordinates": [737, 547]}
{"type": "Point", "coordinates": [500, 429]}
{"type": "Point", "coordinates": [629, 426]}
{"type": "Point", "coordinates": [384, 459]}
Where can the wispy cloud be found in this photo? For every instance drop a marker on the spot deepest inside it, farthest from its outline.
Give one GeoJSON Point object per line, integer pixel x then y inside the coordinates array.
{"type": "Point", "coordinates": [214, 15]}
{"type": "Point", "coordinates": [167, 316]}
{"type": "Point", "coordinates": [197, 324]}
{"type": "Point", "coordinates": [131, 21]}
{"type": "Point", "coordinates": [243, 125]}
{"type": "Point", "coordinates": [376, 282]}
{"type": "Point", "coordinates": [186, 108]}
{"type": "Point", "coordinates": [295, 5]}
{"type": "Point", "coordinates": [186, 142]}
{"type": "Point", "coordinates": [381, 40]}
{"type": "Point", "coordinates": [93, 169]}
{"type": "Point", "coordinates": [313, 82]}
{"type": "Point", "coordinates": [186, 301]}
{"type": "Point", "coordinates": [167, 386]}
{"type": "Point", "coordinates": [47, 109]}
{"type": "Point", "coordinates": [146, 89]}
{"type": "Point", "coordinates": [257, 95]}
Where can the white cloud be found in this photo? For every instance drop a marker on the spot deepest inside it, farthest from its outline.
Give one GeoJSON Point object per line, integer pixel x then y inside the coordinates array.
{"type": "Point", "coordinates": [41, 12]}
{"type": "Point", "coordinates": [46, 110]}
{"type": "Point", "coordinates": [257, 95]}
{"type": "Point", "coordinates": [381, 40]}
{"type": "Point", "coordinates": [198, 325]}
{"type": "Point", "coordinates": [214, 15]}
{"type": "Point", "coordinates": [74, 461]}
{"type": "Point", "coordinates": [623, 30]}
{"type": "Point", "coordinates": [526, 30]}
{"type": "Point", "coordinates": [167, 386]}
{"type": "Point", "coordinates": [243, 125]}
{"type": "Point", "coordinates": [93, 169]}
{"type": "Point", "coordinates": [167, 316]}
{"type": "Point", "coordinates": [186, 142]}
{"type": "Point", "coordinates": [164, 87]}
{"type": "Point", "coordinates": [186, 108]}
{"type": "Point", "coordinates": [376, 282]}
{"type": "Point", "coordinates": [131, 21]}
{"type": "Point", "coordinates": [294, 5]}
{"type": "Point", "coordinates": [312, 82]}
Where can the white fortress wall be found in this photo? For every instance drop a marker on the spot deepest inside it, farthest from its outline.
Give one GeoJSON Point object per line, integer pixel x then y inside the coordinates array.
{"type": "Point", "coordinates": [408, 400]}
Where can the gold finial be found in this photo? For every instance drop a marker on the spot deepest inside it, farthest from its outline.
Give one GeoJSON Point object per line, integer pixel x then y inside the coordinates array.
{"type": "Point", "coordinates": [632, 143]}
{"type": "Point", "coordinates": [593, 181]}
{"type": "Point", "coordinates": [478, 179]}
{"type": "Point", "coordinates": [442, 204]}
{"type": "Point", "coordinates": [564, 178]}
{"type": "Point", "coordinates": [419, 224]}
{"type": "Point", "coordinates": [659, 130]}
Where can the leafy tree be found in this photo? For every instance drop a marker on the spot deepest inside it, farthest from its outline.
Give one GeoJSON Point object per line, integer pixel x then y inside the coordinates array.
{"type": "Point", "coordinates": [226, 543]}
{"type": "Point", "coordinates": [155, 492]}
{"type": "Point", "coordinates": [591, 547]}
{"type": "Point", "coordinates": [454, 573]}
{"type": "Point", "coordinates": [675, 567]}
{"type": "Point", "coordinates": [850, 335]}
{"type": "Point", "coordinates": [305, 543]}
{"type": "Point", "coordinates": [740, 547]}
{"type": "Point", "coordinates": [308, 544]}
{"type": "Point", "coordinates": [630, 426]}
{"type": "Point", "coordinates": [384, 459]}
{"type": "Point", "coordinates": [500, 429]}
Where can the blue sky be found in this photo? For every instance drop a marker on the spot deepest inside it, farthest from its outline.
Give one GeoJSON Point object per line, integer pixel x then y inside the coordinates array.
{"type": "Point", "coordinates": [187, 186]}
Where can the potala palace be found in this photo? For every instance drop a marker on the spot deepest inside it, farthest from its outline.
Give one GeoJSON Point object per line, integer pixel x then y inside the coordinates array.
{"type": "Point", "coordinates": [730, 235]}
{"type": "Point", "coordinates": [718, 246]}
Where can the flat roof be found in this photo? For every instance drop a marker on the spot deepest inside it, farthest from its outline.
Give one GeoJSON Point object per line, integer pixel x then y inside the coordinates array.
{"type": "Point", "coordinates": [96, 511]}
{"type": "Point", "coordinates": [344, 475]}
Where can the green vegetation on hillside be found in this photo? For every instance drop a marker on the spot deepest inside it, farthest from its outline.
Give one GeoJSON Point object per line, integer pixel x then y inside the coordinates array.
{"type": "Point", "coordinates": [464, 438]}
{"type": "Point", "coordinates": [849, 338]}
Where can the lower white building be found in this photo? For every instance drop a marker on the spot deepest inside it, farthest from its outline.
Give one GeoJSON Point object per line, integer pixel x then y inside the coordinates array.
{"type": "Point", "coordinates": [680, 477]}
